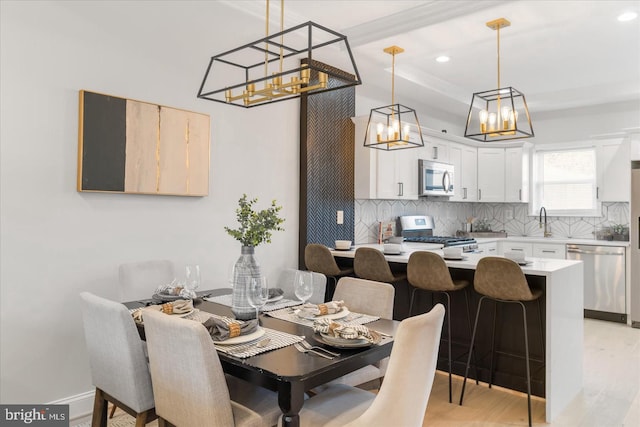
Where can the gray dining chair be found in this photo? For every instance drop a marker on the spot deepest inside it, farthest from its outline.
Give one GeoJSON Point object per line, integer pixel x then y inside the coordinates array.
{"type": "Point", "coordinates": [367, 297]}
{"type": "Point", "coordinates": [404, 394]}
{"type": "Point", "coordinates": [286, 283]}
{"type": "Point", "coordinates": [138, 280]}
{"type": "Point", "coordinates": [119, 369]}
{"type": "Point", "coordinates": [190, 388]}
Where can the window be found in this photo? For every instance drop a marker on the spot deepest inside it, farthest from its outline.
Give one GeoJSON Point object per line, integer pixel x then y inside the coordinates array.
{"type": "Point", "coordinates": [565, 182]}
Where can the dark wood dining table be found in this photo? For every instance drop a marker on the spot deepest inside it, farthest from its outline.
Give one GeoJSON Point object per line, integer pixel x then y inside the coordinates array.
{"type": "Point", "coordinates": [289, 372]}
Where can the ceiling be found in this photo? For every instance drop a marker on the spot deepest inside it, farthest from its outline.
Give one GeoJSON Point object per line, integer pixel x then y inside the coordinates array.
{"type": "Point", "coordinates": [560, 54]}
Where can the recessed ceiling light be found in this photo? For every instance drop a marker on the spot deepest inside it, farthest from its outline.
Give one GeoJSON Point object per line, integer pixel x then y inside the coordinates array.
{"type": "Point", "coordinates": [443, 58]}
{"type": "Point", "coordinates": [627, 16]}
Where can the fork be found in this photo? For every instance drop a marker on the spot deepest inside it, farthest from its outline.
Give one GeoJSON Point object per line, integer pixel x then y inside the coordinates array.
{"type": "Point", "coordinates": [308, 346]}
{"type": "Point", "coordinates": [301, 349]}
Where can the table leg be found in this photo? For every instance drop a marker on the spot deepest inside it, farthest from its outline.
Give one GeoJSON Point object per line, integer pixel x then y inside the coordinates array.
{"type": "Point", "coordinates": [290, 400]}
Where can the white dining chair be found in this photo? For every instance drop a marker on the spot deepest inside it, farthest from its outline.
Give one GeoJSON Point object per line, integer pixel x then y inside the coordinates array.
{"type": "Point", "coordinates": [286, 283]}
{"type": "Point", "coordinates": [404, 394]}
{"type": "Point", "coordinates": [189, 385]}
{"type": "Point", "coordinates": [138, 280]}
{"type": "Point", "coordinates": [119, 369]}
{"type": "Point", "coordinates": [367, 297]}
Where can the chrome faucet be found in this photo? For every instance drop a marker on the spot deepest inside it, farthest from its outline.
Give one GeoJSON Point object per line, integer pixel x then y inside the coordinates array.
{"type": "Point", "coordinates": [547, 228]}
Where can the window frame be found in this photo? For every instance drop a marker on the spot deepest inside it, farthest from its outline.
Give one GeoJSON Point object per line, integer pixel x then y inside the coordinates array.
{"type": "Point", "coordinates": [536, 187]}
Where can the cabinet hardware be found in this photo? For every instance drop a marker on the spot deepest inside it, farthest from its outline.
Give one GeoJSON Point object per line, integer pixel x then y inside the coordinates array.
{"type": "Point", "coordinates": [435, 153]}
{"type": "Point", "coordinates": [400, 189]}
{"type": "Point", "coordinates": [465, 193]}
{"type": "Point", "coordinates": [548, 252]}
{"type": "Point", "coordinates": [597, 193]}
{"type": "Point", "coordinates": [479, 194]}
{"type": "Point", "coordinates": [517, 249]}
{"type": "Point", "coordinates": [520, 194]}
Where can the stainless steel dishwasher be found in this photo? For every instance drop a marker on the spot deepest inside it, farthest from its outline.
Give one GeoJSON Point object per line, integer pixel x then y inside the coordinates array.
{"type": "Point", "coordinates": [604, 280]}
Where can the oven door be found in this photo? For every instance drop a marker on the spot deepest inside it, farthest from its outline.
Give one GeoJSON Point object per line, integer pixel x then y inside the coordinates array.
{"type": "Point", "coordinates": [436, 179]}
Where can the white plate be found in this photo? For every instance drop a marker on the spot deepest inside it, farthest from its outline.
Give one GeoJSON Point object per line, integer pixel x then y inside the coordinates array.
{"type": "Point", "coordinates": [524, 262]}
{"type": "Point", "coordinates": [455, 258]}
{"type": "Point", "coordinates": [310, 316]}
{"type": "Point", "coordinates": [243, 338]}
{"type": "Point", "coordinates": [274, 299]}
{"type": "Point", "coordinates": [342, 341]}
{"type": "Point", "coordinates": [345, 344]}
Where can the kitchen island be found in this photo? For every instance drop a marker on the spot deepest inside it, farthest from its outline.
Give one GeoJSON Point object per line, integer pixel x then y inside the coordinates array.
{"type": "Point", "coordinates": [558, 376]}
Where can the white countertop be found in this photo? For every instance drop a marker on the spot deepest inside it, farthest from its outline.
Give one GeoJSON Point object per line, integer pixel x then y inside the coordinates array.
{"type": "Point", "coordinates": [553, 240]}
{"type": "Point", "coordinates": [537, 266]}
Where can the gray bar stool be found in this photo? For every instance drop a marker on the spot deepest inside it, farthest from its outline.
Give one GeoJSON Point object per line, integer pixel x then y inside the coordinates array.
{"type": "Point", "coordinates": [427, 271]}
{"type": "Point", "coordinates": [502, 280]}
{"type": "Point", "coordinates": [318, 258]}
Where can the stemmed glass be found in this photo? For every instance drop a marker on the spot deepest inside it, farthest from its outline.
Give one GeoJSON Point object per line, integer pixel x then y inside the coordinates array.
{"type": "Point", "coordinates": [303, 285]}
{"type": "Point", "coordinates": [258, 293]}
{"type": "Point", "coordinates": [231, 273]}
{"type": "Point", "coordinates": [192, 272]}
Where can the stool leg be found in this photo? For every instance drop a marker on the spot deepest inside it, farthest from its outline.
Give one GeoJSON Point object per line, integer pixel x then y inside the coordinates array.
{"type": "Point", "coordinates": [413, 294]}
{"type": "Point", "coordinates": [448, 314]}
{"type": "Point", "coordinates": [493, 342]}
{"type": "Point", "coordinates": [542, 346]}
{"type": "Point", "coordinates": [473, 337]}
{"type": "Point", "coordinates": [526, 351]}
{"type": "Point", "coordinates": [475, 362]}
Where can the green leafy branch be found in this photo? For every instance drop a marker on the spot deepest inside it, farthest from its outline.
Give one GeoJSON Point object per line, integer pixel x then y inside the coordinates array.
{"type": "Point", "coordinates": [255, 227]}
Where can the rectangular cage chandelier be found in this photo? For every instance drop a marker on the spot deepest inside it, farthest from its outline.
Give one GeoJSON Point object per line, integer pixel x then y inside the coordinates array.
{"type": "Point", "coordinates": [271, 69]}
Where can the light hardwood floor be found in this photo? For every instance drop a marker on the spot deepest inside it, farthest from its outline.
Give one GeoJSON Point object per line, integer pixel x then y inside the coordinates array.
{"type": "Point", "coordinates": [610, 396]}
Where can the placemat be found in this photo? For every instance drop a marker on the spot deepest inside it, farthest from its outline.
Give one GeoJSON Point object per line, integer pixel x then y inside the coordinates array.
{"type": "Point", "coordinates": [276, 305]}
{"type": "Point", "coordinates": [351, 319]}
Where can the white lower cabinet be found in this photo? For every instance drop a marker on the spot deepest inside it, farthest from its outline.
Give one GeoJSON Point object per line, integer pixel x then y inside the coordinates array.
{"type": "Point", "coordinates": [525, 248]}
{"type": "Point", "coordinates": [490, 248]}
{"type": "Point", "coordinates": [549, 250]}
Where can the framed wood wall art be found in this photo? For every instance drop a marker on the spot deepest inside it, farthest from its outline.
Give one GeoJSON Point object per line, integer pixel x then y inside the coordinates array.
{"type": "Point", "coordinates": [134, 147]}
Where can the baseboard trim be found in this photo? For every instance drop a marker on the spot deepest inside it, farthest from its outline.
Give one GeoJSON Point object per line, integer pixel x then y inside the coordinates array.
{"type": "Point", "coordinates": [80, 405]}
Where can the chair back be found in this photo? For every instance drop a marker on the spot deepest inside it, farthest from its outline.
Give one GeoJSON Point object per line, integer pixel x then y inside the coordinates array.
{"type": "Point", "coordinates": [318, 258]}
{"type": "Point", "coordinates": [138, 280]}
{"type": "Point", "coordinates": [366, 296]}
{"type": "Point", "coordinates": [427, 270]}
{"type": "Point", "coordinates": [501, 278]}
{"type": "Point", "coordinates": [286, 283]}
{"type": "Point", "coordinates": [404, 394]}
{"type": "Point", "coordinates": [370, 264]}
{"type": "Point", "coordinates": [188, 381]}
{"type": "Point", "coordinates": [116, 356]}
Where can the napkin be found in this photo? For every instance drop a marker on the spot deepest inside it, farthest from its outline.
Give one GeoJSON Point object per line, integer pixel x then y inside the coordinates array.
{"type": "Point", "coordinates": [176, 307]}
{"type": "Point", "coordinates": [222, 329]}
{"type": "Point", "coordinates": [330, 307]}
{"type": "Point", "coordinates": [338, 330]}
{"type": "Point", "coordinates": [275, 292]}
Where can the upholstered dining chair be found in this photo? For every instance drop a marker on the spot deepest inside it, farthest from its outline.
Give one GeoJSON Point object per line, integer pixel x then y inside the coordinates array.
{"type": "Point", "coordinates": [368, 297]}
{"type": "Point", "coordinates": [286, 283]}
{"type": "Point", "coordinates": [318, 258]}
{"type": "Point", "coordinates": [189, 385]}
{"type": "Point", "coordinates": [370, 264]}
{"type": "Point", "coordinates": [119, 369]}
{"type": "Point", "coordinates": [427, 271]}
{"type": "Point", "coordinates": [138, 280]}
{"type": "Point", "coordinates": [502, 280]}
{"type": "Point", "coordinates": [404, 394]}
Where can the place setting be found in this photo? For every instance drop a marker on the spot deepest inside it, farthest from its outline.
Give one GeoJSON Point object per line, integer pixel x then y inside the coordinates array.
{"type": "Point", "coordinates": [344, 336]}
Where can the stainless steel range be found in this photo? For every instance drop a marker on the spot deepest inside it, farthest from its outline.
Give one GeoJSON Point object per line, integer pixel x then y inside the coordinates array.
{"type": "Point", "coordinates": [419, 229]}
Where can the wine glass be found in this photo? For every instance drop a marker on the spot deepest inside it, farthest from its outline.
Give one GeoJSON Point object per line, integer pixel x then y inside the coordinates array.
{"type": "Point", "coordinates": [192, 272]}
{"type": "Point", "coordinates": [258, 293]}
{"type": "Point", "coordinates": [303, 285]}
{"type": "Point", "coordinates": [231, 273]}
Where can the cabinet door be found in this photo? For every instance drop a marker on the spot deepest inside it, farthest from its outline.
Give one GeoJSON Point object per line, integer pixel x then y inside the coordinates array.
{"type": "Point", "coordinates": [387, 186]}
{"type": "Point", "coordinates": [455, 158]}
{"type": "Point", "coordinates": [488, 248]}
{"type": "Point", "coordinates": [491, 174]}
{"type": "Point", "coordinates": [469, 174]}
{"type": "Point", "coordinates": [549, 250]}
{"type": "Point", "coordinates": [516, 174]}
{"type": "Point", "coordinates": [406, 173]}
{"type": "Point", "coordinates": [525, 248]}
{"type": "Point", "coordinates": [614, 172]}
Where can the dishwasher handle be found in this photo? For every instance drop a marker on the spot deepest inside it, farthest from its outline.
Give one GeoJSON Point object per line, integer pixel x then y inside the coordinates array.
{"type": "Point", "coordinates": [581, 251]}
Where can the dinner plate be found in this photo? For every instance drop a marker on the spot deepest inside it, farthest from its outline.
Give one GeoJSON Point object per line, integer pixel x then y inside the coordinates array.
{"type": "Point", "coordinates": [276, 298]}
{"type": "Point", "coordinates": [303, 314]}
{"type": "Point", "coordinates": [455, 258]}
{"type": "Point", "coordinates": [524, 262]}
{"type": "Point", "coordinates": [336, 249]}
{"type": "Point", "coordinates": [243, 338]}
{"type": "Point", "coordinates": [393, 253]}
{"type": "Point", "coordinates": [344, 343]}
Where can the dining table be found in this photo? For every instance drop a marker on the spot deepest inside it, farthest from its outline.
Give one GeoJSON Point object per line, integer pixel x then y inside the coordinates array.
{"type": "Point", "coordinates": [287, 371]}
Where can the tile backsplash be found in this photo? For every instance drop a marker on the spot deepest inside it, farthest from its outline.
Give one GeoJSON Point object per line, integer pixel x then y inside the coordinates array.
{"type": "Point", "coordinates": [511, 217]}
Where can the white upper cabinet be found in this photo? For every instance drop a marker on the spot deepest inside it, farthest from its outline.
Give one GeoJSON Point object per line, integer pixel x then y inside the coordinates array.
{"type": "Point", "coordinates": [491, 174]}
{"type": "Point", "coordinates": [465, 181]}
{"type": "Point", "coordinates": [614, 171]}
{"type": "Point", "coordinates": [435, 149]}
{"type": "Point", "coordinates": [517, 174]}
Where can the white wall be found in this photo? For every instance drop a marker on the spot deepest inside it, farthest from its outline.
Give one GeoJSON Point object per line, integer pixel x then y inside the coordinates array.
{"type": "Point", "coordinates": [57, 242]}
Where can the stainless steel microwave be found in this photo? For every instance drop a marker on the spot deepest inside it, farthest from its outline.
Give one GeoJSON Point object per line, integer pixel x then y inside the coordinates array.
{"type": "Point", "coordinates": [436, 179]}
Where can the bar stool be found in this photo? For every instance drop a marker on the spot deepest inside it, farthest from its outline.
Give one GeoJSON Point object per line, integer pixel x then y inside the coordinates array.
{"type": "Point", "coordinates": [427, 271]}
{"type": "Point", "coordinates": [502, 280]}
{"type": "Point", "coordinates": [318, 258]}
{"type": "Point", "coordinates": [370, 264]}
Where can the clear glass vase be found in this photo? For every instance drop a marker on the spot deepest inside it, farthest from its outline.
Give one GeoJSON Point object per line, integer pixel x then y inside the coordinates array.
{"type": "Point", "coordinates": [246, 267]}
